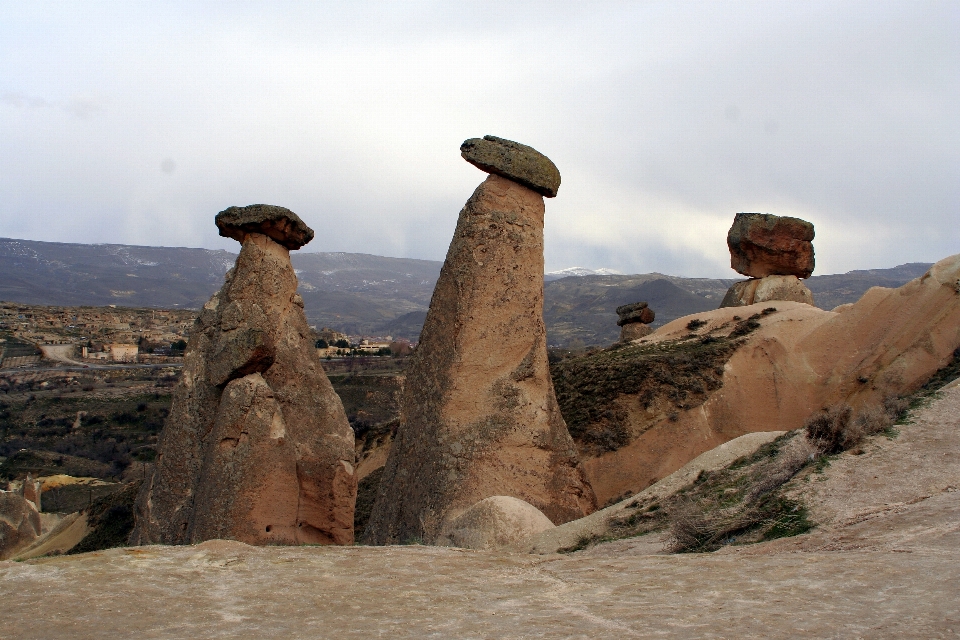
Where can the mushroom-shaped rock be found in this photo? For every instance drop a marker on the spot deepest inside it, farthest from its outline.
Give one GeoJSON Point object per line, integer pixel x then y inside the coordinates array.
{"type": "Point", "coordinates": [479, 416]}
{"type": "Point", "coordinates": [279, 223]}
{"type": "Point", "coordinates": [515, 161]}
{"type": "Point", "coordinates": [762, 244]}
{"type": "Point", "coordinates": [257, 447]}
{"type": "Point", "coordinates": [495, 522]}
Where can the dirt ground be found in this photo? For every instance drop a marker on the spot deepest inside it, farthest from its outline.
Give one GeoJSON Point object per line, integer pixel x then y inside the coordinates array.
{"type": "Point", "coordinates": [885, 562]}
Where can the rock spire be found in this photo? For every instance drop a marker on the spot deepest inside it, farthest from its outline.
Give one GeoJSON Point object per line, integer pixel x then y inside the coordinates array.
{"type": "Point", "coordinates": [479, 417]}
{"type": "Point", "coordinates": [257, 447]}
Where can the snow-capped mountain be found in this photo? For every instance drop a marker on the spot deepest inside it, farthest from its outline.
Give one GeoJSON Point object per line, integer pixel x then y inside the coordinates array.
{"type": "Point", "coordinates": [580, 271]}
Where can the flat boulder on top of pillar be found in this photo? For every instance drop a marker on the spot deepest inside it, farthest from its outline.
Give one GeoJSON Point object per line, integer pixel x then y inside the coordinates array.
{"type": "Point", "coordinates": [279, 223]}
{"type": "Point", "coordinates": [479, 416]}
{"type": "Point", "coordinates": [515, 161]}
{"type": "Point", "coordinates": [762, 244]}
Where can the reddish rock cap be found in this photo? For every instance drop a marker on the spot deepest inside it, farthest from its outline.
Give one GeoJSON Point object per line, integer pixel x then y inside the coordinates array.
{"type": "Point", "coordinates": [515, 161]}
{"type": "Point", "coordinates": [762, 244]}
{"type": "Point", "coordinates": [281, 224]}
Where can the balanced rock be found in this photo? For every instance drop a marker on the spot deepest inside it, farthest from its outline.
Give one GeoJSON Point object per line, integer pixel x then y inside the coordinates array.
{"type": "Point", "coordinates": [19, 523]}
{"type": "Point", "coordinates": [767, 289]}
{"type": "Point", "coordinates": [515, 161]}
{"type": "Point", "coordinates": [479, 417]}
{"type": "Point", "coordinates": [280, 224]}
{"type": "Point", "coordinates": [495, 522]}
{"type": "Point", "coordinates": [634, 313]}
{"type": "Point", "coordinates": [257, 447]}
{"type": "Point", "coordinates": [762, 245]}
{"type": "Point", "coordinates": [634, 320]}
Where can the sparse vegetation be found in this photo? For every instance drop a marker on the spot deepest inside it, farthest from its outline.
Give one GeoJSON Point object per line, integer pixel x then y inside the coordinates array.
{"type": "Point", "coordinates": [695, 324]}
{"type": "Point", "coordinates": [676, 376]}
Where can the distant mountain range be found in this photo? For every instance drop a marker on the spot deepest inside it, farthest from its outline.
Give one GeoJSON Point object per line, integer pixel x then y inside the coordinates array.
{"type": "Point", "coordinates": [579, 271]}
{"type": "Point", "coordinates": [364, 294]}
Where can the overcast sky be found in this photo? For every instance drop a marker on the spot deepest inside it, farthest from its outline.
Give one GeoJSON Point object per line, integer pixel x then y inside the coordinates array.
{"type": "Point", "coordinates": [136, 123]}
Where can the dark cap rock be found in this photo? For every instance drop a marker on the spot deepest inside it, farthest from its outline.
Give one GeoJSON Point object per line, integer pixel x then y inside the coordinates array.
{"type": "Point", "coordinates": [637, 312]}
{"type": "Point", "coordinates": [278, 223]}
{"type": "Point", "coordinates": [515, 161]}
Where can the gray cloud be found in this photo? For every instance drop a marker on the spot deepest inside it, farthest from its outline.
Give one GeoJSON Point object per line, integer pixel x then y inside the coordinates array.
{"type": "Point", "coordinates": [665, 119]}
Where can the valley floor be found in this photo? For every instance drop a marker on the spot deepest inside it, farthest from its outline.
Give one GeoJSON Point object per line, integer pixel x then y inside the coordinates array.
{"type": "Point", "coordinates": [885, 562]}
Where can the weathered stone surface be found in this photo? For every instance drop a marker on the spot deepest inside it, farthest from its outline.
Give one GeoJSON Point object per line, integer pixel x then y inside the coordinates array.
{"type": "Point", "coordinates": [257, 446]}
{"type": "Point", "coordinates": [479, 417]}
{"type": "Point", "coordinates": [767, 289]}
{"type": "Point", "coordinates": [515, 161]}
{"type": "Point", "coordinates": [19, 523]}
{"type": "Point", "coordinates": [634, 331]}
{"type": "Point", "coordinates": [762, 245]}
{"type": "Point", "coordinates": [642, 314]}
{"type": "Point", "coordinates": [282, 225]}
{"type": "Point", "coordinates": [494, 523]}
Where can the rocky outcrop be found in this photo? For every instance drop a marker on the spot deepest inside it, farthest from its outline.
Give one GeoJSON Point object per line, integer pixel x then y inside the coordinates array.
{"type": "Point", "coordinates": [479, 417]}
{"type": "Point", "coordinates": [19, 523]}
{"type": "Point", "coordinates": [762, 244]}
{"type": "Point", "coordinates": [757, 290]}
{"type": "Point", "coordinates": [788, 365]}
{"type": "Point", "coordinates": [257, 446]}
{"type": "Point", "coordinates": [494, 523]}
{"type": "Point", "coordinates": [634, 320]}
{"type": "Point", "coordinates": [31, 490]}
{"type": "Point", "coordinates": [774, 251]}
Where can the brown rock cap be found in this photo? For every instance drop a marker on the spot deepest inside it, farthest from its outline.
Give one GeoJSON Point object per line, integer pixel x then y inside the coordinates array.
{"type": "Point", "coordinates": [762, 244]}
{"type": "Point", "coordinates": [278, 223]}
{"type": "Point", "coordinates": [515, 161]}
{"type": "Point", "coordinates": [634, 313]}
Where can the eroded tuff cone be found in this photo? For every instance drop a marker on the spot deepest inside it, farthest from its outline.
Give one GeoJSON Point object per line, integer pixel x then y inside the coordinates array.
{"type": "Point", "coordinates": [257, 447]}
{"type": "Point", "coordinates": [763, 245]}
{"type": "Point", "coordinates": [767, 289]}
{"type": "Point", "coordinates": [282, 225]}
{"type": "Point", "coordinates": [515, 161]}
{"type": "Point", "coordinates": [634, 313]}
{"type": "Point", "coordinates": [479, 417]}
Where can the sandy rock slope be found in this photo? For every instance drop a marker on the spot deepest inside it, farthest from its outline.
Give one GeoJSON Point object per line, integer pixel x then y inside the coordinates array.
{"type": "Point", "coordinates": [885, 564]}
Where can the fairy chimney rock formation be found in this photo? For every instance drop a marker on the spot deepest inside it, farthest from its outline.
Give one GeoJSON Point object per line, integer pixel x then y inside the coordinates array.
{"type": "Point", "coordinates": [257, 447]}
{"type": "Point", "coordinates": [775, 252]}
{"type": "Point", "coordinates": [479, 417]}
{"type": "Point", "coordinates": [634, 321]}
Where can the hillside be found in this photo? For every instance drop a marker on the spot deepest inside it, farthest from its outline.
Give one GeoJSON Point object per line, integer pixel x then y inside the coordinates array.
{"type": "Point", "coordinates": [365, 294]}
{"type": "Point", "coordinates": [895, 543]}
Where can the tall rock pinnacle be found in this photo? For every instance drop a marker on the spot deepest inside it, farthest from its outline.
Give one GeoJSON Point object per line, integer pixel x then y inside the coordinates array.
{"type": "Point", "coordinates": [257, 447]}
{"type": "Point", "coordinates": [479, 417]}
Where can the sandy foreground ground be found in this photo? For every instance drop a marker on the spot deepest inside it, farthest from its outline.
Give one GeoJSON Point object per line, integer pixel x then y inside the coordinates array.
{"type": "Point", "coordinates": [884, 563]}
